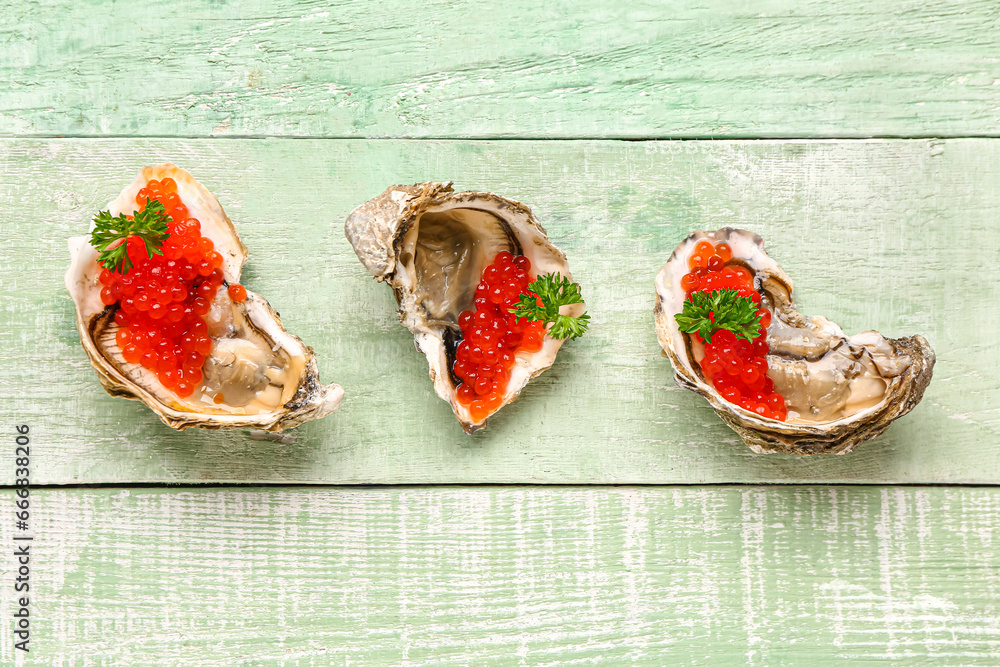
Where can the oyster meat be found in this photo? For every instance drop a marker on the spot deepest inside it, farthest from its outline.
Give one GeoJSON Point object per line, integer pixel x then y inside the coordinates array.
{"type": "Point", "coordinates": [256, 375]}
{"type": "Point", "coordinates": [431, 245]}
{"type": "Point", "coordinates": [839, 391]}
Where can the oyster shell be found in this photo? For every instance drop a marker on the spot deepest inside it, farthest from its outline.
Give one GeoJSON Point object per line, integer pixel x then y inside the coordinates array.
{"type": "Point", "coordinates": [268, 376]}
{"type": "Point", "coordinates": [839, 391]}
{"type": "Point", "coordinates": [431, 245]}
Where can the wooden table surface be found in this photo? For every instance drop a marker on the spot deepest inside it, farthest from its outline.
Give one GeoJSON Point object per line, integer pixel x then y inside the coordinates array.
{"type": "Point", "coordinates": [623, 523]}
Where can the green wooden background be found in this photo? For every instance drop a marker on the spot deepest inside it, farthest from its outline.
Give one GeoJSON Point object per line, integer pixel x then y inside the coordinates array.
{"type": "Point", "coordinates": [458, 69]}
{"type": "Point", "coordinates": [753, 114]}
{"type": "Point", "coordinates": [880, 234]}
{"type": "Point", "coordinates": [501, 576]}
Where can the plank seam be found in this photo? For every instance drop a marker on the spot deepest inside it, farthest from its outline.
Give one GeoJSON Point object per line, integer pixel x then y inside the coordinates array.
{"type": "Point", "coordinates": [522, 485]}
{"type": "Point", "coordinates": [547, 138]}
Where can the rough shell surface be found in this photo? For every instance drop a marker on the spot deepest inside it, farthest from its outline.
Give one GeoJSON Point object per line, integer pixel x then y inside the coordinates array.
{"type": "Point", "coordinates": [905, 364]}
{"type": "Point", "coordinates": [302, 399]}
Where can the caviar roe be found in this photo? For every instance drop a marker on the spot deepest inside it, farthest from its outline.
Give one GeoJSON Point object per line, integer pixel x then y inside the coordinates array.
{"type": "Point", "coordinates": [163, 300]}
{"type": "Point", "coordinates": [237, 293]}
{"type": "Point", "coordinates": [736, 367]}
{"type": "Point", "coordinates": [492, 337]}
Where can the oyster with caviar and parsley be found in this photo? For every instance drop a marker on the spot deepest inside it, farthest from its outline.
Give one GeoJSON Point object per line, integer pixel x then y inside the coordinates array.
{"type": "Point", "coordinates": [838, 391]}
{"type": "Point", "coordinates": [176, 330]}
{"type": "Point", "coordinates": [439, 250]}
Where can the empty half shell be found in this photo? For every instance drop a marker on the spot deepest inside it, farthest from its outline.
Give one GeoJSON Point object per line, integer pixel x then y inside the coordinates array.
{"type": "Point", "coordinates": [839, 391]}
{"type": "Point", "coordinates": [431, 245]}
{"type": "Point", "coordinates": [256, 375]}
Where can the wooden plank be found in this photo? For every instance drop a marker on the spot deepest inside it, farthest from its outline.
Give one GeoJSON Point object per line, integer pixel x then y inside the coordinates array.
{"type": "Point", "coordinates": [896, 235]}
{"type": "Point", "coordinates": [440, 68]}
{"type": "Point", "coordinates": [501, 576]}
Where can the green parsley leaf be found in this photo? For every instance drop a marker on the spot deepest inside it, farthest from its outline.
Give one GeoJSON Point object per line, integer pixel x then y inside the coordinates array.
{"type": "Point", "coordinates": [706, 312]}
{"type": "Point", "coordinates": [554, 291]}
{"type": "Point", "coordinates": [110, 235]}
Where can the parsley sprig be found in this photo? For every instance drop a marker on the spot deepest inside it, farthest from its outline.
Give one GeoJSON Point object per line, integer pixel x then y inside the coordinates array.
{"type": "Point", "coordinates": [553, 291]}
{"type": "Point", "coordinates": [705, 312]}
{"type": "Point", "coordinates": [110, 235]}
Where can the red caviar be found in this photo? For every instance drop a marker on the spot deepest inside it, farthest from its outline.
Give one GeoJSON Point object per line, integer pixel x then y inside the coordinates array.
{"type": "Point", "coordinates": [163, 300]}
{"type": "Point", "coordinates": [492, 337]}
{"type": "Point", "coordinates": [237, 293]}
{"type": "Point", "coordinates": [737, 368]}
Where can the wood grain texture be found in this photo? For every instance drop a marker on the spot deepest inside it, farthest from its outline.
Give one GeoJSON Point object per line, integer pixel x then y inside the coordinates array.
{"type": "Point", "coordinates": [902, 236]}
{"type": "Point", "coordinates": [445, 68]}
{"type": "Point", "coordinates": [502, 576]}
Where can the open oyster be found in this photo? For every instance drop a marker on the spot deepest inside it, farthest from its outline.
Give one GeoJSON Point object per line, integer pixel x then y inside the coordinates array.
{"type": "Point", "coordinates": [255, 375]}
{"type": "Point", "coordinates": [839, 391]}
{"type": "Point", "coordinates": [432, 245]}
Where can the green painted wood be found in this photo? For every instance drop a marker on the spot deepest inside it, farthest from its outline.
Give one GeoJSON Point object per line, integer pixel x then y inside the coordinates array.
{"type": "Point", "coordinates": [519, 68]}
{"type": "Point", "coordinates": [501, 576]}
{"type": "Point", "coordinates": [902, 236]}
